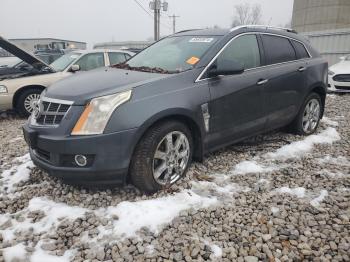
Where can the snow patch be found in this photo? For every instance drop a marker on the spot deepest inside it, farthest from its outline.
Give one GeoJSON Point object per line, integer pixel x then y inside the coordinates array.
{"type": "Point", "coordinates": [217, 251]}
{"type": "Point", "coordinates": [329, 122]}
{"type": "Point", "coordinates": [340, 160]}
{"type": "Point", "coordinates": [11, 177]}
{"type": "Point", "coordinates": [275, 210]}
{"type": "Point", "coordinates": [300, 148]}
{"type": "Point", "coordinates": [298, 191]}
{"type": "Point", "coordinates": [40, 255]}
{"type": "Point", "coordinates": [152, 214]}
{"type": "Point", "coordinates": [15, 253]}
{"type": "Point", "coordinates": [317, 201]}
{"type": "Point", "coordinates": [54, 214]}
{"type": "Point", "coordinates": [248, 167]}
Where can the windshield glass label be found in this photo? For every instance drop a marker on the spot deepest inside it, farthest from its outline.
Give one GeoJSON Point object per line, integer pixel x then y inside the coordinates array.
{"type": "Point", "coordinates": [201, 40]}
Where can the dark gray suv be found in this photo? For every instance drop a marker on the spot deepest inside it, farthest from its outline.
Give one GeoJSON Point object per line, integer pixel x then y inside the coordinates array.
{"type": "Point", "coordinates": [144, 121]}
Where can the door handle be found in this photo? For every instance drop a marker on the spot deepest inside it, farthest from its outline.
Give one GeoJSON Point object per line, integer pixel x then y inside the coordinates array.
{"type": "Point", "coordinates": [262, 82]}
{"type": "Point", "coordinates": [302, 69]}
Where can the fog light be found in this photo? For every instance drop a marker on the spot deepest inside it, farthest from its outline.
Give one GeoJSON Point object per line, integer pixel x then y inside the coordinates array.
{"type": "Point", "coordinates": [80, 160]}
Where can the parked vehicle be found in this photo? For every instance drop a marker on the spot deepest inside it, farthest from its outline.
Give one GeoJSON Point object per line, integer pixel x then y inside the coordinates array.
{"type": "Point", "coordinates": [22, 90]}
{"type": "Point", "coordinates": [8, 61]}
{"type": "Point", "coordinates": [189, 94]}
{"type": "Point", "coordinates": [339, 76]}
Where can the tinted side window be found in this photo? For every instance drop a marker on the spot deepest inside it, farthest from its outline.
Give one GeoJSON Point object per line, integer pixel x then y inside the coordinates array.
{"type": "Point", "coordinates": [91, 61]}
{"type": "Point", "coordinates": [300, 48]}
{"type": "Point", "coordinates": [116, 58]}
{"type": "Point", "coordinates": [278, 49]}
{"type": "Point", "coordinates": [244, 49]}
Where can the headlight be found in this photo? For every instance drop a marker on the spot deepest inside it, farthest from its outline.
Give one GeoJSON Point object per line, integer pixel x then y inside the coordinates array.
{"type": "Point", "coordinates": [330, 72]}
{"type": "Point", "coordinates": [3, 89]}
{"type": "Point", "coordinates": [97, 113]}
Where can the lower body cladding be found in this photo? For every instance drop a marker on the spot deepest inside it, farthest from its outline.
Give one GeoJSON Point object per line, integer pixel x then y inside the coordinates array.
{"type": "Point", "coordinates": [83, 160]}
{"type": "Point", "coordinates": [339, 87]}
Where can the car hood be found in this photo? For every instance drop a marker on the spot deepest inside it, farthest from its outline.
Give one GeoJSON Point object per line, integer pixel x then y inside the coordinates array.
{"type": "Point", "coordinates": [82, 87]}
{"type": "Point", "coordinates": [25, 56]}
{"type": "Point", "coordinates": [341, 68]}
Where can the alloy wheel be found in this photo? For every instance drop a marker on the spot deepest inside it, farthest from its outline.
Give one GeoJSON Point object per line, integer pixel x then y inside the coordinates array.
{"type": "Point", "coordinates": [171, 158]}
{"type": "Point", "coordinates": [311, 116]}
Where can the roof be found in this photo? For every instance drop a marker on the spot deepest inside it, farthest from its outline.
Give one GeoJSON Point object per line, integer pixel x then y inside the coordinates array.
{"type": "Point", "coordinates": [46, 38]}
{"type": "Point", "coordinates": [102, 50]}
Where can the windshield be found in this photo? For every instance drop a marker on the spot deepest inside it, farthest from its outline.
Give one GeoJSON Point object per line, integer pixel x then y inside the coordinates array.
{"type": "Point", "coordinates": [64, 61]}
{"type": "Point", "coordinates": [172, 54]}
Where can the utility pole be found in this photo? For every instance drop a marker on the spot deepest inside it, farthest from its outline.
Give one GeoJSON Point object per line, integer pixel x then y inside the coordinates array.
{"type": "Point", "coordinates": [174, 22]}
{"type": "Point", "coordinates": [156, 6]}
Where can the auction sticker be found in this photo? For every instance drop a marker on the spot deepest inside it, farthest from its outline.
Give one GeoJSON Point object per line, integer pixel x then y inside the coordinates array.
{"type": "Point", "coordinates": [193, 60]}
{"type": "Point", "coordinates": [201, 40]}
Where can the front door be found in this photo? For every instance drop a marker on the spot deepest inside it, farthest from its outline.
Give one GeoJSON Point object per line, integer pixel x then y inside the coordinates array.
{"type": "Point", "coordinates": [236, 108]}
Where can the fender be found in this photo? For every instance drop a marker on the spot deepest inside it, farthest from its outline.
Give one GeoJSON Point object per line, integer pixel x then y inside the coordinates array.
{"type": "Point", "coordinates": [180, 114]}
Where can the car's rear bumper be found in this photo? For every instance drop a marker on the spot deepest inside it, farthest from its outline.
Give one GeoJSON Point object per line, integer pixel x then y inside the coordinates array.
{"type": "Point", "coordinates": [108, 156]}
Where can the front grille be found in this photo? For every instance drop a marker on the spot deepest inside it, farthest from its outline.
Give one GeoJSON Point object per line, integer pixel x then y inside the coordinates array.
{"type": "Point", "coordinates": [52, 113]}
{"type": "Point", "coordinates": [343, 87]}
{"type": "Point", "coordinates": [342, 78]}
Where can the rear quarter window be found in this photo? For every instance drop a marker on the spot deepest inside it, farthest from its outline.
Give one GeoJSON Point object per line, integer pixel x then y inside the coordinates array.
{"type": "Point", "coordinates": [278, 49]}
{"type": "Point", "coordinates": [301, 50]}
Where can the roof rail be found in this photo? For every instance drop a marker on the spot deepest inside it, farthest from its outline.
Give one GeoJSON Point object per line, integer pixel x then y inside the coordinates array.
{"type": "Point", "coordinates": [188, 30]}
{"type": "Point", "coordinates": [264, 27]}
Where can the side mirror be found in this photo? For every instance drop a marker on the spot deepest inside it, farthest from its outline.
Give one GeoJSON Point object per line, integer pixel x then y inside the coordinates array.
{"type": "Point", "coordinates": [225, 67]}
{"type": "Point", "coordinates": [75, 68]}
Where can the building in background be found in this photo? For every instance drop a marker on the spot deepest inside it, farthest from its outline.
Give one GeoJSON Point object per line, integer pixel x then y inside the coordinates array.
{"type": "Point", "coordinates": [327, 25]}
{"type": "Point", "coordinates": [37, 44]}
{"type": "Point", "coordinates": [130, 45]}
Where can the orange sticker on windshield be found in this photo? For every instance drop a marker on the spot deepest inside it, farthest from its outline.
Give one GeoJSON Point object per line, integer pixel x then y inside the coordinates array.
{"type": "Point", "coordinates": [193, 60]}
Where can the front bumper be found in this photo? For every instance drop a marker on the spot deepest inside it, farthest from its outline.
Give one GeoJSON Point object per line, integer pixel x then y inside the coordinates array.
{"type": "Point", "coordinates": [338, 87]}
{"type": "Point", "coordinates": [5, 101]}
{"type": "Point", "coordinates": [108, 156]}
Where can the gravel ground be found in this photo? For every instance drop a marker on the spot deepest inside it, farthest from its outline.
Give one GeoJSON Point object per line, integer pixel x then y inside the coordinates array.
{"type": "Point", "coordinates": [276, 197]}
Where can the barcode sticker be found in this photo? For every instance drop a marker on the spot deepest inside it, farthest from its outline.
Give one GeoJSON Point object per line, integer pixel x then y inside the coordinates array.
{"type": "Point", "coordinates": [201, 40]}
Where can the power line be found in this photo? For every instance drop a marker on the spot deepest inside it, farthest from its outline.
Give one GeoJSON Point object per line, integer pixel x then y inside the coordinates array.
{"type": "Point", "coordinates": [150, 15]}
{"type": "Point", "coordinates": [144, 9]}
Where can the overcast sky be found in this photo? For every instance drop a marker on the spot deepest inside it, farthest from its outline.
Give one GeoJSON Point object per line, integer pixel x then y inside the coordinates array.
{"type": "Point", "coordinates": [96, 21]}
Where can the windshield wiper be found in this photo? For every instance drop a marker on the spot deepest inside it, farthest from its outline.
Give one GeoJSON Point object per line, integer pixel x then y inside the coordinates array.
{"type": "Point", "coordinates": [144, 69]}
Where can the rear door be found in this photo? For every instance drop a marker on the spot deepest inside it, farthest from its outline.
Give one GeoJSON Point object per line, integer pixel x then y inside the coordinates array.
{"type": "Point", "coordinates": [117, 58]}
{"type": "Point", "coordinates": [283, 92]}
{"type": "Point", "coordinates": [236, 106]}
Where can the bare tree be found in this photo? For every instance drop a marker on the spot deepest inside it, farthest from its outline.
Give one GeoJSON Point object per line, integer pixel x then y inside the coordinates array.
{"type": "Point", "coordinates": [247, 14]}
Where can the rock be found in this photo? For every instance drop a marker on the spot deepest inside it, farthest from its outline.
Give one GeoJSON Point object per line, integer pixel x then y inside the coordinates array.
{"type": "Point", "coordinates": [195, 252]}
{"type": "Point", "coordinates": [266, 237]}
{"type": "Point", "coordinates": [251, 259]}
{"type": "Point", "coordinates": [48, 246]}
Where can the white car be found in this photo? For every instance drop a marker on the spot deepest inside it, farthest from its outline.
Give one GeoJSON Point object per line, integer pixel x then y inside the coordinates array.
{"type": "Point", "coordinates": [339, 76]}
{"type": "Point", "coordinates": [21, 90]}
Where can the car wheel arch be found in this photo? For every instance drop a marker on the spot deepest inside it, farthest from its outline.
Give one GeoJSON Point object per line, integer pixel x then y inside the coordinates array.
{"type": "Point", "coordinates": [22, 89]}
{"type": "Point", "coordinates": [321, 91]}
{"type": "Point", "coordinates": [176, 115]}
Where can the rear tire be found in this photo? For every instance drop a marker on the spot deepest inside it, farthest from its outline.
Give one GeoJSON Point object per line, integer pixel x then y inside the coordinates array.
{"type": "Point", "coordinates": [162, 156]}
{"type": "Point", "coordinates": [26, 101]}
{"type": "Point", "coordinates": [309, 116]}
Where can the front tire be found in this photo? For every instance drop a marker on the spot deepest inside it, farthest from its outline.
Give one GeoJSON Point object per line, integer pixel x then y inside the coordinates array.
{"type": "Point", "coordinates": [27, 100]}
{"type": "Point", "coordinates": [162, 156]}
{"type": "Point", "coordinates": [308, 119]}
